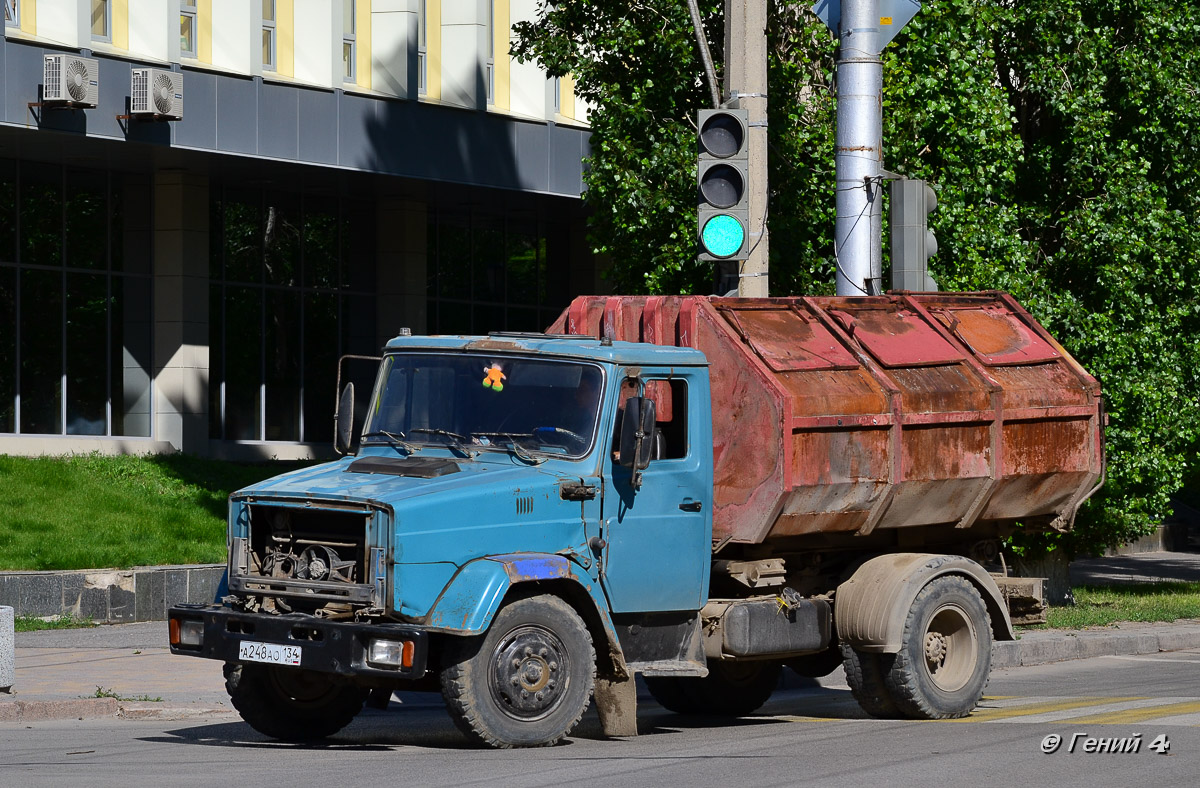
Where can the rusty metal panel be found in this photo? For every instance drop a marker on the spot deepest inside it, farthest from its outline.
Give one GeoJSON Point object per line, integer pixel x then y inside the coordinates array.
{"type": "Point", "coordinates": [789, 340]}
{"type": "Point", "coordinates": [749, 418]}
{"type": "Point", "coordinates": [997, 335]}
{"type": "Point", "coordinates": [897, 337]}
{"type": "Point", "coordinates": [943, 389]}
{"type": "Point", "coordinates": [824, 457]}
{"type": "Point", "coordinates": [836, 393]}
{"type": "Point", "coordinates": [1038, 386]}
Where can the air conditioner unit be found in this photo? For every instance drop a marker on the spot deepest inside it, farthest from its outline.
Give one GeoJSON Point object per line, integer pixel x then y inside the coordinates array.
{"type": "Point", "coordinates": [70, 79]}
{"type": "Point", "coordinates": [158, 92]}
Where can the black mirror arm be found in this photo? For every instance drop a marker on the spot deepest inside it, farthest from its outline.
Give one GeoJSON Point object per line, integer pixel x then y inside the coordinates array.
{"type": "Point", "coordinates": [639, 436]}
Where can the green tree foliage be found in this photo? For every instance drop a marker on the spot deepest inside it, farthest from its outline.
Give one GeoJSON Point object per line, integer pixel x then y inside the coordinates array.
{"type": "Point", "coordinates": [1062, 137]}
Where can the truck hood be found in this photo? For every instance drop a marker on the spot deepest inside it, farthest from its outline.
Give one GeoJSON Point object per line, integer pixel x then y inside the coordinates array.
{"type": "Point", "coordinates": [389, 481]}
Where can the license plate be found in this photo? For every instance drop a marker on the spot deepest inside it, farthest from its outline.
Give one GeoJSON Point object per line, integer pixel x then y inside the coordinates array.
{"type": "Point", "coordinates": [271, 653]}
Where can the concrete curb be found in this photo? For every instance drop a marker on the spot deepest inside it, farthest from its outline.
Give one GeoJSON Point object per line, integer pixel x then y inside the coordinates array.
{"type": "Point", "coordinates": [8, 648]}
{"type": "Point", "coordinates": [1041, 647]}
{"type": "Point", "coordinates": [99, 708]}
{"type": "Point", "coordinates": [12, 710]}
{"type": "Point", "coordinates": [41, 710]}
{"type": "Point", "coordinates": [157, 711]}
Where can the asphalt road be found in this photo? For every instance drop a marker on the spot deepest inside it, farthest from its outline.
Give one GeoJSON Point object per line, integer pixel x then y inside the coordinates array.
{"type": "Point", "coordinates": [813, 736]}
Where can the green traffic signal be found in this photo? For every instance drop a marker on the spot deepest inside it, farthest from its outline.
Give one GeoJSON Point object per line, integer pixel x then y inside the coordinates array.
{"type": "Point", "coordinates": [722, 235]}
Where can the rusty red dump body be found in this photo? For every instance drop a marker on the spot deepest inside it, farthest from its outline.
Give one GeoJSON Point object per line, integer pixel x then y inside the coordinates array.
{"type": "Point", "coordinates": [856, 415]}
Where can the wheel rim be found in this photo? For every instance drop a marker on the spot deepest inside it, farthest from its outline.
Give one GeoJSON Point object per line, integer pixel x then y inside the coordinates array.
{"type": "Point", "coordinates": [529, 673]}
{"type": "Point", "coordinates": [949, 648]}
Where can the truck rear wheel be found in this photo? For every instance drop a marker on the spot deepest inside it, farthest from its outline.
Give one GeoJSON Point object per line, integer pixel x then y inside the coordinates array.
{"type": "Point", "coordinates": [731, 689]}
{"type": "Point", "coordinates": [291, 704]}
{"type": "Point", "coordinates": [946, 655]}
{"type": "Point", "coordinates": [527, 681]}
{"type": "Point", "coordinates": [865, 674]}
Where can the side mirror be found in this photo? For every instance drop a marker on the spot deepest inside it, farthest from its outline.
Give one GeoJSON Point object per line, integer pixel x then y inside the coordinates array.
{"type": "Point", "coordinates": [637, 436]}
{"type": "Point", "coordinates": [344, 419]}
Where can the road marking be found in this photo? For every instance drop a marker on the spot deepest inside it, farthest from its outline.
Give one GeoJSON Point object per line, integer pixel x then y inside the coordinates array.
{"type": "Point", "coordinates": [1076, 710]}
{"type": "Point", "coordinates": [1146, 714]}
{"type": "Point", "coordinates": [1190, 720]}
{"type": "Point", "coordinates": [1034, 711]}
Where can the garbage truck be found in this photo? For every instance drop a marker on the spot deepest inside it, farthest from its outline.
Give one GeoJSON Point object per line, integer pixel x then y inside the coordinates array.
{"type": "Point", "coordinates": [704, 491]}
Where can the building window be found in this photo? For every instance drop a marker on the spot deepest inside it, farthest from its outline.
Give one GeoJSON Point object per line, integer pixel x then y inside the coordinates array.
{"type": "Point", "coordinates": [421, 48]}
{"type": "Point", "coordinates": [187, 28]}
{"type": "Point", "coordinates": [291, 291]}
{"type": "Point", "coordinates": [490, 71]}
{"type": "Point", "coordinates": [557, 95]}
{"type": "Point", "coordinates": [348, 19]}
{"type": "Point", "coordinates": [101, 20]}
{"type": "Point", "coordinates": [268, 34]}
{"type": "Point", "coordinates": [12, 11]}
{"type": "Point", "coordinates": [75, 302]}
{"type": "Point", "coordinates": [493, 273]}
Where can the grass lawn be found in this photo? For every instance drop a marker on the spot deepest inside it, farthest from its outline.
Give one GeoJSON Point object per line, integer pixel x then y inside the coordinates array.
{"type": "Point", "coordinates": [1097, 606]}
{"type": "Point", "coordinates": [92, 512]}
{"type": "Point", "coordinates": [35, 624]}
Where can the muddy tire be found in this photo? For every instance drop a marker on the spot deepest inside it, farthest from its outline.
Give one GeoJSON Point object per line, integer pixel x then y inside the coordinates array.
{"type": "Point", "coordinates": [527, 681]}
{"type": "Point", "coordinates": [674, 694]}
{"type": "Point", "coordinates": [731, 689]}
{"type": "Point", "coordinates": [946, 654]}
{"type": "Point", "coordinates": [291, 704]}
{"type": "Point", "coordinates": [865, 673]}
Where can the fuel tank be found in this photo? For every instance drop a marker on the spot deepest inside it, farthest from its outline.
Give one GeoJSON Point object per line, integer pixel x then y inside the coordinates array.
{"type": "Point", "coordinates": [846, 416]}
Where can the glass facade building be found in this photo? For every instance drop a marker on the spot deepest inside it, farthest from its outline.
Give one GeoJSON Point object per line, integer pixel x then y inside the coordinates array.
{"type": "Point", "coordinates": [192, 285]}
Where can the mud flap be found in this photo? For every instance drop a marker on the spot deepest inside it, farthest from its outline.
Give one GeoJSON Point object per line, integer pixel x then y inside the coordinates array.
{"type": "Point", "coordinates": [616, 703]}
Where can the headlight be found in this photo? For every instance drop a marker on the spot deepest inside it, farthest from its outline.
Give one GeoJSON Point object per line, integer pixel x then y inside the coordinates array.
{"type": "Point", "coordinates": [187, 632]}
{"type": "Point", "coordinates": [390, 653]}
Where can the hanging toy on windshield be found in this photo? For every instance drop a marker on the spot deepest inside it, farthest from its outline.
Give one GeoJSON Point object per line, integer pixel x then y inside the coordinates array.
{"type": "Point", "coordinates": [493, 376]}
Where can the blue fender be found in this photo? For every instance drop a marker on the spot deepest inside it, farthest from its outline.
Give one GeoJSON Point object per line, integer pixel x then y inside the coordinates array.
{"type": "Point", "coordinates": [468, 604]}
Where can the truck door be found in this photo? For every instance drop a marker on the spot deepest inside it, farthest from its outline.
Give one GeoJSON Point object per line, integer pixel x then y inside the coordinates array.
{"type": "Point", "coordinates": [659, 537]}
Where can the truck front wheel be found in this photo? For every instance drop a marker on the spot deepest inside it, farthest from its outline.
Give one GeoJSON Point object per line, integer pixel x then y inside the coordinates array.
{"type": "Point", "coordinates": [946, 654]}
{"type": "Point", "coordinates": [291, 704]}
{"type": "Point", "coordinates": [527, 681]}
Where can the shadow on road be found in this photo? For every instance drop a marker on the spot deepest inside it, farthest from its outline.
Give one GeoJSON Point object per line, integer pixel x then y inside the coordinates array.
{"type": "Point", "coordinates": [425, 725]}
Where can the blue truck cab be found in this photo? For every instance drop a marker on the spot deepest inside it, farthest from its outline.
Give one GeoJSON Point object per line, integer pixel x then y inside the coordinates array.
{"type": "Point", "coordinates": [525, 519]}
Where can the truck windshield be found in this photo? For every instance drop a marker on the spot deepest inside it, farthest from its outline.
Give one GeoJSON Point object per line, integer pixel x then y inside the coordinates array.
{"type": "Point", "coordinates": [482, 403]}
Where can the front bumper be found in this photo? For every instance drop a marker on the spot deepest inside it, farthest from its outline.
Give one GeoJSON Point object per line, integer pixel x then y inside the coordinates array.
{"type": "Point", "coordinates": [326, 646]}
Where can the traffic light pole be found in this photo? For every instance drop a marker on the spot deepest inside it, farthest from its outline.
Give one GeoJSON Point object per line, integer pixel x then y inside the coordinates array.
{"type": "Point", "coordinates": [859, 154]}
{"type": "Point", "coordinates": [746, 80]}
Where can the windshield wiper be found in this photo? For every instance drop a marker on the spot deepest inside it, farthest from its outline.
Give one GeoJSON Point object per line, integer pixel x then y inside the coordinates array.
{"type": "Point", "coordinates": [394, 437]}
{"type": "Point", "coordinates": [459, 440]}
{"type": "Point", "coordinates": [522, 454]}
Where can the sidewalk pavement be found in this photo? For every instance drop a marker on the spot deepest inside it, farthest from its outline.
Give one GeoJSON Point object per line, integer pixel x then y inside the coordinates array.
{"type": "Point", "coordinates": [127, 670]}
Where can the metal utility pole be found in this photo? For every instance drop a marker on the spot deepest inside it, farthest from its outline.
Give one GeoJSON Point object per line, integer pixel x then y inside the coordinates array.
{"type": "Point", "coordinates": [746, 81]}
{"type": "Point", "coordinates": [863, 29]}
{"type": "Point", "coordinates": [859, 152]}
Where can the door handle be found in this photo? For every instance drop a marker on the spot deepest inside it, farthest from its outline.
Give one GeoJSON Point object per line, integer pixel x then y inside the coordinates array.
{"type": "Point", "coordinates": [691, 506]}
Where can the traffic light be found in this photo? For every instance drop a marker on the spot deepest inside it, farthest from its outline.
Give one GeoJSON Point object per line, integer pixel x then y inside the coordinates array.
{"type": "Point", "coordinates": [913, 243]}
{"type": "Point", "coordinates": [723, 188]}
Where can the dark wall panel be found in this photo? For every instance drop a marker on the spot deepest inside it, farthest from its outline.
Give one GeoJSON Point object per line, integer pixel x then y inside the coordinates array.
{"type": "Point", "coordinates": [318, 127]}
{"type": "Point", "coordinates": [198, 129]}
{"type": "Point", "coordinates": [237, 114]}
{"type": "Point", "coordinates": [279, 121]}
